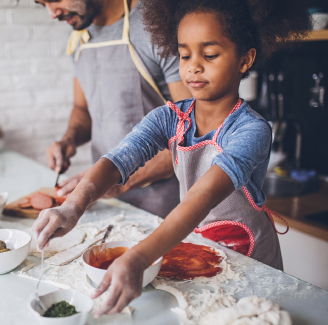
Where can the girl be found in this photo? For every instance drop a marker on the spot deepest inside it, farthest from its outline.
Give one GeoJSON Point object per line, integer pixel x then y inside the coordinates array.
{"type": "Point", "coordinates": [220, 146]}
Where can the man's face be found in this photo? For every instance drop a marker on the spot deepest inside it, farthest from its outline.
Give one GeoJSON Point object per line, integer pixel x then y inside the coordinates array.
{"type": "Point", "coordinates": [78, 13]}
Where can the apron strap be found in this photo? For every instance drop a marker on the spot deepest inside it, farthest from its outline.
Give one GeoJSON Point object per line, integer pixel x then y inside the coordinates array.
{"type": "Point", "coordinates": [83, 37]}
{"type": "Point", "coordinates": [269, 212]}
{"type": "Point", "coordinates": [142, 70]}
{"type": "Point", "coordinates": [183, 117]}
{"type": "Point", "coordinates": [75, 38]}
{"type": "Point", "coordinates": [126, 24]}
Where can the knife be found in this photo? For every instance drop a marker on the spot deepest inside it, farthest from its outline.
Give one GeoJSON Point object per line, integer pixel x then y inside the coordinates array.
{"type": "Point", "coordinates": [58, 174]}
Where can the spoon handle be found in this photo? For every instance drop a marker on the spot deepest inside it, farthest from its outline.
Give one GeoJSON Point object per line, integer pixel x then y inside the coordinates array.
{"type": "Point", "coordinates": [108, 230]}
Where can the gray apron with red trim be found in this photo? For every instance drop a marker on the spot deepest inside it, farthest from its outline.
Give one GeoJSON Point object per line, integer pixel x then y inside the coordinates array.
{"type": "Point", "coordinates": [119, 92]}
{"type": "Point", "coordinates": [237, 222]}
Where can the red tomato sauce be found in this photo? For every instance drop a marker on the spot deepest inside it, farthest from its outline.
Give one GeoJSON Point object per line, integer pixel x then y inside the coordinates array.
{"type": "Point", "coordinates": [102, 257]}
{"type": "Point", "coordinates": [187, 261]}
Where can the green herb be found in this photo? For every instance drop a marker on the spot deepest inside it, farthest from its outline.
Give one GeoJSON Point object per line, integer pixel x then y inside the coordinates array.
{"type": "Point", "coordinates": [61, 309]}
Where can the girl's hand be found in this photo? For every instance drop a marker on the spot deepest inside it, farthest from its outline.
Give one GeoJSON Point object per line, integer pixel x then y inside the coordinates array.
{"type": "Point", "coordinates": [124, 279]}
{"type": "Point", "coordinates": [54, 222]}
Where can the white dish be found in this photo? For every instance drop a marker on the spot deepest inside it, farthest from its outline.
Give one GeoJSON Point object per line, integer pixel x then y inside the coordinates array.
{"type": "Point", "coordinates": [82, 303]}
{"type": "Point", "coordinates": [19, 242]}
{"type": "Point", "coordinates": [3, 200]}
{"type": "Point", "coordinates": [96, 275]}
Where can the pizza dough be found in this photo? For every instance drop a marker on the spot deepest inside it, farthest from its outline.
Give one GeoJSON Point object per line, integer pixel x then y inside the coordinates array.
{"type": "Point", "coordinates": [252, 310]}
{"type": "Point", "coordinates": [56, 245]}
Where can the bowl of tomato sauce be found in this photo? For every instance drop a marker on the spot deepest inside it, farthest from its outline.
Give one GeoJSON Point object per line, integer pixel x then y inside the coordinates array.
{"type": "Point", "coordinates": [97, 259]}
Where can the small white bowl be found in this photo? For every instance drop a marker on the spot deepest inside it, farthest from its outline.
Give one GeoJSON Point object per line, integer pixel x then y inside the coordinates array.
{"type": "Point", "coordinates": [19, 242]}
{"type": "Point", "coordinates": [3, 200]}
{"type": "Point", "coordinates": [82, 303]}
{"type": "Point", "coordinates": [96, 275]}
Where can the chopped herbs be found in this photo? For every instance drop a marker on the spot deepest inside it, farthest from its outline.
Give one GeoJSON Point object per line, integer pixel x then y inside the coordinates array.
{"type": "Point", "coordinates": [61, 309]}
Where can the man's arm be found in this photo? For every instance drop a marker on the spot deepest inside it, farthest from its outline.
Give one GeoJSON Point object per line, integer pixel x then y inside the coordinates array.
{"type": "Point", "coordinates": [78, 133]}
{"type": "Point", "coordinates": [160, 167]}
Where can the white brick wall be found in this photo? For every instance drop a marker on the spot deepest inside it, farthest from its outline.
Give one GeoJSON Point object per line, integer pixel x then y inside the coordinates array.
{"type": "Point", "coordinates": [36, 81]}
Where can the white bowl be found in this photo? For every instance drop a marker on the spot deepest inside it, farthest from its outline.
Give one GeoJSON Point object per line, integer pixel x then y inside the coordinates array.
{"type": "Point", "coordinates": [82, 303]}
{"type": "Point", "coordinates": [96, 275]}
{"type": "Point", "coordinates": [3, 200]}
{"type": "Point", "coordinates": [19, 242]}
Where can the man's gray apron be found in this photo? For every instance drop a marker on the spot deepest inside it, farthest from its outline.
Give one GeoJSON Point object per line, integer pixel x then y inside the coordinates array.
{"type": "Point", "coordinates": [120, 92]}
{"type": "Point", "coordinates": [237, 222]}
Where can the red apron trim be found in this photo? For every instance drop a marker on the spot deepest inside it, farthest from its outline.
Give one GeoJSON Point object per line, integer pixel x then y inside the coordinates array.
{"type": "Point", "coordinates": [243, 245]}
{"type": "Point", "coordinates": [181, 124]}
{"type": "Point", "coordinates": [200, 144]}
{"type": "Point", "coordinates": [269, 212]}
{"type": "Point", "coordinates": [180, 128]}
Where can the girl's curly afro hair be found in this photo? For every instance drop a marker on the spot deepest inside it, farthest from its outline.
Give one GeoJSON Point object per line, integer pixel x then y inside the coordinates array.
{"type": "Point", "coordinates": [261, 24]}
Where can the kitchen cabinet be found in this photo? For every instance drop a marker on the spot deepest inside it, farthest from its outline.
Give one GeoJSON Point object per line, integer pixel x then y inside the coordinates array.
{"type": "Point", "coordinates": [304, 248]}
{"type": "Point", "coordinates": [304, 256]}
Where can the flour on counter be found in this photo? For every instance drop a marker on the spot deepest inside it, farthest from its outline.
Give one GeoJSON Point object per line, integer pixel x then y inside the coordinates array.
{"type": "Point", "coordinates": [73, 274]}
{"type": "Point", "coordinates": [251, 310]}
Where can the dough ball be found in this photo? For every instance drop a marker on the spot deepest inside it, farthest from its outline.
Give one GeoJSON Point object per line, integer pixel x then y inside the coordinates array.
{"type": "Point", "coordinates": [251, 310]}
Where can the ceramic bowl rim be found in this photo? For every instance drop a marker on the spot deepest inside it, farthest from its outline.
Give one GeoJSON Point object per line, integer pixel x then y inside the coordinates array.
{"type": "Point", "coordinates": [66, 317]}
{"type": "Point", "coordinates": [15, 249]}
{"type": "Point", "coordinates": [133, 242]}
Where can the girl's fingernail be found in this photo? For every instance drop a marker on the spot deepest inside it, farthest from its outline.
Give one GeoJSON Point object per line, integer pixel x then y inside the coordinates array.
{"type": "Point", "coordinates": [60, 193]}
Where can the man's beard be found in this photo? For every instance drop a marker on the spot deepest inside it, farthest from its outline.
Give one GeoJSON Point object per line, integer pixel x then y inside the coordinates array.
{"type": "Point", "coordinates": [92, 9]}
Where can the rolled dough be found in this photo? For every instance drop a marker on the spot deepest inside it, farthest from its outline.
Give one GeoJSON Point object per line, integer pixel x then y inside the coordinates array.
{"type": "Point", "coordinates": [56, 245]}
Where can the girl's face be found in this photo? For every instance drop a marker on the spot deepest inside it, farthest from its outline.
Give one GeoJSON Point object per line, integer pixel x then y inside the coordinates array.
{"type": "Point", "coordinates": [209, 64]}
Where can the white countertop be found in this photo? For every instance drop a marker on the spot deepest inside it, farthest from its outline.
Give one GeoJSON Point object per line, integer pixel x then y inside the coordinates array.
{"type": "Point", "coordinates": [19, 176]}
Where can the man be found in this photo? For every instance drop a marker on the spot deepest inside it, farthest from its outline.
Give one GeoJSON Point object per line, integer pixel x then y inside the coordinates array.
{"type": "Point", "coordinates": [119, 78]}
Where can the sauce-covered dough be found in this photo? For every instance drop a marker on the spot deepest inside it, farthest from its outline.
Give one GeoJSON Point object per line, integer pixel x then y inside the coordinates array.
{"type": "Point", "coordinates": [187, 261]}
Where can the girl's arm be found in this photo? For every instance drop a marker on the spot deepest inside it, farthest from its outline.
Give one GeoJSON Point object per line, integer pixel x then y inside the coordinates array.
{"type": "Point", "coordinates": [139, 146]}
{"type": "Point", "coordinates": [124, 276]}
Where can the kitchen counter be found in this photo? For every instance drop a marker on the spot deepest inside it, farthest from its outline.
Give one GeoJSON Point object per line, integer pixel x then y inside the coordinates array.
{"type": "Point", "coordinates": [307, 304]}
{"type": "Point", "coordinates": [295, 210]}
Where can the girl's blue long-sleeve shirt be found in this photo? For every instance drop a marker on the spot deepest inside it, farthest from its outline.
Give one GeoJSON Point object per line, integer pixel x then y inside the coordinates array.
{"type": "Point", "coordinates": [245, 139]}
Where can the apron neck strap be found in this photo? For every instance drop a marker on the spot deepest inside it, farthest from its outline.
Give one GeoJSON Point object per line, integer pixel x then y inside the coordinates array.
{"type": "Point", "coordinates": [183, 117]}
{"type": "Point", "coordinates": [126, 25]}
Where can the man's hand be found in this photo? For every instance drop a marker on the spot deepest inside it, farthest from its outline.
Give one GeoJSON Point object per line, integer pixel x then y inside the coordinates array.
{"type": "Point", "coordinates": [68, 186]}
{"type": "Point", "coordinates": [59, 154]}
{"type": "Point", "coordinates": [54, 222]}
{"type": "Point", "coordinates": [124, 276]}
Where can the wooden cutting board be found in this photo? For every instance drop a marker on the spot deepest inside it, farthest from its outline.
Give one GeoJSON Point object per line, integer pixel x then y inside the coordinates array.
{"type": "Point", "coordinates": [13, 210]}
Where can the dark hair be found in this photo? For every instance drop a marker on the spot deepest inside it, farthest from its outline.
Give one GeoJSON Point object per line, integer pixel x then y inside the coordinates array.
{"type": "Point", "coordinates": [247, 23]}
